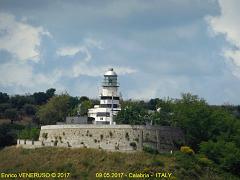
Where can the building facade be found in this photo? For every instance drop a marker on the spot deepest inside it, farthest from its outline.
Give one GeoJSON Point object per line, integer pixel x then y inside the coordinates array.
{"type": "Point", "coordinates": [109, 100]}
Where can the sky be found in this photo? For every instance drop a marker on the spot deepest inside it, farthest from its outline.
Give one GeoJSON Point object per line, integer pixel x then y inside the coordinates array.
{"type": "Point", "coordinates": [158, 48]}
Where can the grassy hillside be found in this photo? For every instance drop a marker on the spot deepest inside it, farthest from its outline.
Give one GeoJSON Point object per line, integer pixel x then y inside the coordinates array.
{"type": "Point", "coordinates": [85, 163]}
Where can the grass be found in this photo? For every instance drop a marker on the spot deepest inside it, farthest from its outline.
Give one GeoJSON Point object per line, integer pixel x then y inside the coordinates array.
{"type": "Point", "coordinates": [83, 163]}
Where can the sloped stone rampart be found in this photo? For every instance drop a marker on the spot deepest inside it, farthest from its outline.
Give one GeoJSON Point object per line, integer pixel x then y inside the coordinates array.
{"type": "Point", "coordinates": [109, 137]}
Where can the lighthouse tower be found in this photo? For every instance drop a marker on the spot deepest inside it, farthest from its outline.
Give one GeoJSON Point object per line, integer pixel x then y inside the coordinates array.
{"type": "Point", "coordinates": [109, 100]}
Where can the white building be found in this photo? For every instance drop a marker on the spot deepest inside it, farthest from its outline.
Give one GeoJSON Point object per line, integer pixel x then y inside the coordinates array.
{"type": "Point", "coordinates": [109, 100]}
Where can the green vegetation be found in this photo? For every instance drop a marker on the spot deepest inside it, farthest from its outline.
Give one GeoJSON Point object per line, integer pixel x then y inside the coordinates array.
{"type": "Point", "coordinates": [186, 150]}
{"type": "Point", "coordinates": [226, 154]}
{"type": "Point", "coordinates": [84, 163]}
{"type": "Point", "coordinates": [8, 134]}
{"type": "Point", "coordinates": [29, 133]}
{"type": "Point", "coordinates": [56, 109]}
{"type": "Point", "coordinates": [212, 132]}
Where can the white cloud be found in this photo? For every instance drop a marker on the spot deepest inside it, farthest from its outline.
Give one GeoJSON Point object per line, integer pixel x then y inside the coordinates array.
{"type": "Point", "coordinates": [74, 50]}
{"type": "Point", "coordinates": [227, 23]}
{"type": "Point", "coordinates": [20, 39]}
{"type": "Point", "coordinates": [67, 51]}
{"type": "Point", "coordinates": [90, 42]}
{"type": "Point", "coordinates": [20, 74]}
{"type": "Point", "coordinates": [82, 66]}
{"type": "Point", "coordinates": [124, 70]}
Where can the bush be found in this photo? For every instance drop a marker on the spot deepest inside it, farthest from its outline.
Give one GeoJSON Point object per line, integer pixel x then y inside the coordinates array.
{"type": "Point", "coordinates": [134, 145]}
{"type": "Point", "coordinates": [8, 134]}
{"type": "Point", "coordinates": [29, 133]}
{"type": "Point", "coordinates": [204, 161]}
{"type": "Point", "coordinates": [187, 150]}
{"type": "Point", "coordinates": [150, 150]}
{"type": "Point", "coordinates": [226, 154]}
{"type": "Point", "coordinates": [29, 109]}
{"type": "Point", "coordinates": [45, 135]}
{"type": "Point", "coordinates": [157, 163]}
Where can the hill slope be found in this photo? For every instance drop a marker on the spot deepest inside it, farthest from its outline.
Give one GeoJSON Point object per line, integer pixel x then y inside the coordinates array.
{"type": "Point", "coordinates": [85, 163]}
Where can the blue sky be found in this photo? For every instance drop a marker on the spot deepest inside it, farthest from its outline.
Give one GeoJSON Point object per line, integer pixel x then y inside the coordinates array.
{"type": "Point", "coordinates": [158, 48]}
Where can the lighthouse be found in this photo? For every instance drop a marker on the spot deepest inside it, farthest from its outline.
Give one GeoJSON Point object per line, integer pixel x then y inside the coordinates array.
{"type": "Point", "coordinates": [109, 100]}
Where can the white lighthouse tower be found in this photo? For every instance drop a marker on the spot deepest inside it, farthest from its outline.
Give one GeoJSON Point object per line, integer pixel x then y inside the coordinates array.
{"type": "Point", "coordinates": [109, 100]}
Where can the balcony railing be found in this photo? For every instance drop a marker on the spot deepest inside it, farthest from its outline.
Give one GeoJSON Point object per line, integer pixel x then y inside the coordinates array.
{"type": "Point", "coordinates": [115, 84]}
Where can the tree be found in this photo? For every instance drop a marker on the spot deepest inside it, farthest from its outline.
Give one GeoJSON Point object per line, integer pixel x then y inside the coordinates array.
{"type": "Point", "coordinates": [84, 98]}
{"type": "Point", "coordinates": [18, 101]}
{"type": "Point", "coordinates": [132, 113]}
{"type": "Point", "coordinates": [85, 105]}
{"type": "Point", "coordinates": [50, 93]}
{"type": "Point", "coordinates": [164, 112]}
{"type": "Point", "coordinates": [11, 114]}
{"type": "Point", "coordinates": [152, 104]}
{"type": "Point", "coordinates": [29, 109]}
{"type": "Point", "coordinates": [226, 154]}
{"type": "Point", "coordinates": [74, 102]}
{"type": "Point", "coordinates": [40, 98]}
{"type": "Point", "coordinates": [55, 110]}
{"type": "Point", "coordinates": [4, 106]}
{"type": "Point", "coordinates": [8, 134]}
{"type": "Point", "coordinates": [4, 97]}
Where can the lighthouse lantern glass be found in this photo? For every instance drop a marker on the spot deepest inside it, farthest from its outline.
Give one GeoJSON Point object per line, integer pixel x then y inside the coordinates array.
{"type": "Point", "coordinates": [110, 81]}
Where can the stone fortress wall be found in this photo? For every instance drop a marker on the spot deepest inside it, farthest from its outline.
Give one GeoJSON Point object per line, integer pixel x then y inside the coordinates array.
{"type": "Point", "coordinates": [108, 137]}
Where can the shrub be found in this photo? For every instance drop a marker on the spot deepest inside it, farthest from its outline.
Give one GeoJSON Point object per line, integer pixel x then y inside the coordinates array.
{"type": "Point", "coordinates": [204, 161]}
{"type": "Point", "coordinates": [45, 135]}
{"type": "Point", "coordinates": [150, 150]}
{"type": "Point", "coordinates": [186, 150]}
{"type": "Point", "coordinates": [29, 109]}
{"type": "Point", "coordinates": [226, 154]}
{"type": "Point", "coordinates": [29, 133]}
{"type": "Point", "coordinates": [157, 163]}
{"type": "Point", "coordinates": [134, 145]}
{"type": "Point", "coordinates": [8, 134]}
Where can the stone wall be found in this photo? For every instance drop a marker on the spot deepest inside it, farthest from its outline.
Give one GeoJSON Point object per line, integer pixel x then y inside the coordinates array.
{"type": "Point", "coordinates": [110, 137]}
{"type": "Point", "coordinates": [28, 143]}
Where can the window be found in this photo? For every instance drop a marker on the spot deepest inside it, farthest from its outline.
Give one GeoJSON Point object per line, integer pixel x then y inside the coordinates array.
{"type": "Point", "coordinates": [109, 97]}
{"type": "Point", "coordinates": [108, 105]}
{"type": "Point", "coordinates": [103, 114]}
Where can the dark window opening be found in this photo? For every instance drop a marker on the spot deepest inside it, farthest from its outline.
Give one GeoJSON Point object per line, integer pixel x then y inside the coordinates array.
{"type": "Point", "coordinates": [103, 114]}
{"type": "Point", "coordinates": [108, 105]}
{"type": "Point", "coordinates": [109, 97]}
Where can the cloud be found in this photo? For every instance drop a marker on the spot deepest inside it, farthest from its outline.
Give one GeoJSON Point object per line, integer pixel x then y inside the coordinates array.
{"type": "Point", "coordinates": [72, 51]}
{"type": "Point", "coordinates": [82, 66]}
{"type": "Point", "coordinates": [20, 74]}
{"type": "Point", "coordinates": [20, 39]}
{"type": "Point", "coordinates": [227, 24]}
